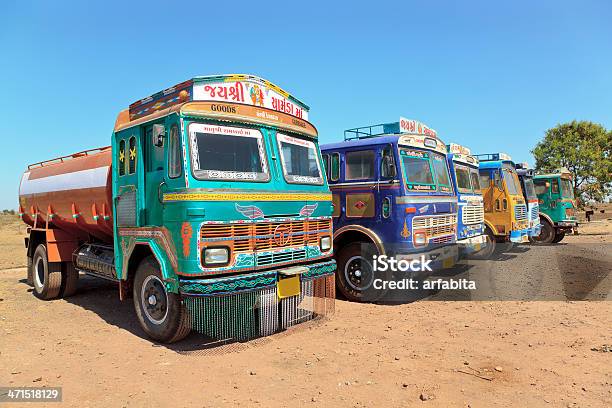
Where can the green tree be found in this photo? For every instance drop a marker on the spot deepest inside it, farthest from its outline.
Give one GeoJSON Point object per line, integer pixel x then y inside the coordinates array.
{"type": "Point", "coordinates": [585, 149]}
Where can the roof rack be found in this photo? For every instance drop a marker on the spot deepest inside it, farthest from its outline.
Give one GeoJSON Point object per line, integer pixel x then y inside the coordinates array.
{"type": "Point", "coordinates": [69, 157]}
{"type": "Point", "coordinates": [493, 157]}
{"type": "Point", "coordinates": [365, 132]}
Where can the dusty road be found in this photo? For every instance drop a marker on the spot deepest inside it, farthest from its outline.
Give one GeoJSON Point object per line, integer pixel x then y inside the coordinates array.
{"type": "Point", "coordinates": [546, 353]}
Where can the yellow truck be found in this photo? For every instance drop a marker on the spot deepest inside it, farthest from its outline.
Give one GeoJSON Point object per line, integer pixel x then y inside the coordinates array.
{"type": "Point", "coordinates": [506, 217]}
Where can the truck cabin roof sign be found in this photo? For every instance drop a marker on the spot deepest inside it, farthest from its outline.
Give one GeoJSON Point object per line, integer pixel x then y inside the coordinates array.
{"type": "Point", "coordinates": [415, 127]}
{"type": "Point", "coordinates": [462, 154]}
{"type": "Point", "coordinates": [243, 89]}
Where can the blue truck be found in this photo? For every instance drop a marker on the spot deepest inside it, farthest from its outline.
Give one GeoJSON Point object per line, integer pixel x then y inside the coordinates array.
{"type": "Point", "coordinates": [392, 195]}
{"type": "Point", "coordinates": [526, 175]}
{"type": "Point", "coordinates": [470, 218]}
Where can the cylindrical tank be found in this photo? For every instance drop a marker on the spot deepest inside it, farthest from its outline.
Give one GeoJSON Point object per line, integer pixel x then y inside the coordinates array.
{"type": "Point", "coordinates": [73, 193]}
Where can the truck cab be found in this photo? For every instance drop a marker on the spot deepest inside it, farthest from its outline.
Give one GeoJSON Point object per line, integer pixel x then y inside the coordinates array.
{"type": "Point", "coordinates": [504, 205]}
{"type": "Point", "coordinates": [525, 175]}
{"type": "Point", "coordinates": [557, 206]}
{"type": "Point", "coordinates": [392, 195]}
{"type": "Point", "coordinates": [466, 185]}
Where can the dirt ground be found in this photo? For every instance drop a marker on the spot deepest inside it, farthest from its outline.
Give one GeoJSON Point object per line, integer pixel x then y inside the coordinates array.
{"type": "Point", "coordinates": [459, 353]}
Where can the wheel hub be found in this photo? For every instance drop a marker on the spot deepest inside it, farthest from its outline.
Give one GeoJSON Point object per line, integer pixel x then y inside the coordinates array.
{"type": "Point", "coordinates": [154, 299]}
{"type": "Point", "coordinates": [358, 273]}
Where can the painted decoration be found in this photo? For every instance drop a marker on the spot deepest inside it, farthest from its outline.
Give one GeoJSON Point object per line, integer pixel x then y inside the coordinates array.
{"type": "Point", "coordinates": [186, 234]}
{"type": "Point", "coordinates": [307, 210]}
{"type": "Point", "coordinates": [250, 211]}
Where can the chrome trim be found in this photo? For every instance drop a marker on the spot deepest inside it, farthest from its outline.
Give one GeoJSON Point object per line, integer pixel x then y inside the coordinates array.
{"type": "Point", "coordinates": [427, 199]}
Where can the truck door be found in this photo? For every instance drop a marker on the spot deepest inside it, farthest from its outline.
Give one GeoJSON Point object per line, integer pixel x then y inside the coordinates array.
{"type": "Point", "coordinates": [154, 166]}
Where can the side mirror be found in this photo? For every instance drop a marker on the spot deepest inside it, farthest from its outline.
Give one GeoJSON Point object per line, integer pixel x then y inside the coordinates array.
{"type": "Point", "coordinates": [159, 132]}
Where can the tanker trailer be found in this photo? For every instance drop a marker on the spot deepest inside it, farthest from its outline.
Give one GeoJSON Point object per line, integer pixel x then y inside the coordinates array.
{"type": "Point", "coordinates": [209, 210]}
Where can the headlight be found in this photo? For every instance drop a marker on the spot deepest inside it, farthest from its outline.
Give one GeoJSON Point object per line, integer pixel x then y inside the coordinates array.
{"type": "Point", "coordinates": [325, 243]}
{"type": "Point", "coordinates": [419, 238]}
{"type": "Point", "coordinates": [216, 256]}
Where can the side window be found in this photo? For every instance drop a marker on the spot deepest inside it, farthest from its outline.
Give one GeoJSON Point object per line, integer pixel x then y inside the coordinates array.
{"type": "Point", "coordinates": [485, 179]}
{"type": "Point", "coordinates": [387, 164]}
{"type": "Point", "coordinates": [335, 167]}
{"type": "Point", "coordinates": [132, 156]}
{"type": "Point", "coordinates": [326, 164]}
{"type": "Point", "coordinates": [555, 186]}
{"type": "Point", "coordinates": [122, 157]}
{"type": "Point", "coordinates": [175, 154]}
{"type": "Point", "coordinates": [360, 165]}
{"type": "Point", "coordinates": [540, 187]}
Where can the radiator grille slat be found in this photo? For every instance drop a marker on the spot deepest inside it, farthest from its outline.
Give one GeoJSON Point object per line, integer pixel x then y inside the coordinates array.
{"type": "Point", "coordinates": [472, 214]}
{"type": "Point", "coordinates": [435, 226]}
{"type": "Point", "coordinates": [520, 212]}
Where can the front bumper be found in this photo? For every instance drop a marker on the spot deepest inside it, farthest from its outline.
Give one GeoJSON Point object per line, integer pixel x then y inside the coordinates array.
{"type": "Point", "coordinates": [535, 231]}
{"type": "Point", "coordinates": [472, 244]}
{"type": "Point", "coordinates": [442, 257]}
{"type": "Point", "coordinates": [567, 224]}
{"type": "Point", "coordinates": [519, 236]}
{"type": "Point", "coordinates": [247, 306]}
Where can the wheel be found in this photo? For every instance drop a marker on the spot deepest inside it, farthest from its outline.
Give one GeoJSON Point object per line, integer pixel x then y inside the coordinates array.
{"type": "Point", "coordinates": [46, 276]}
{"type": "Point", "coordinates": [355, 273]}
{"type": "Point", "coordinates": [30, 278]}
{"type": "Point", "coordinates": [547, 234]}
{"type": "Point", "coordinates": [162, 314]}
{"type": "Point", "coordinates": [70, 279]}
{"type": "Point", "coordinates": [489, 249]}
{"type": "Point", "coordinates": [558, 237]}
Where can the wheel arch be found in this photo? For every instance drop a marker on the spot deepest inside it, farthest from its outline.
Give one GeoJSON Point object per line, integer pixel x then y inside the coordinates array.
{"type": "Point", "coordinates": [546, 217]}
{"type": "Point", "coordinates": [356, 233]}
{"type": "Point", "coordinates": [142, 250]}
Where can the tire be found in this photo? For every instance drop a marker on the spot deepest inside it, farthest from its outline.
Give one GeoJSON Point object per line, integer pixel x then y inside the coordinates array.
{"type": "Point", "coordinates": [558, 237]}
{"type": "Point", "coordinates": [355, 275]}
{"type": "Point", "coordinates": [30, 278]}
{"type": "Point", "coordinates": [46, 276]}
{"type": "Point", "coordinates": [547, 234]}
{"type": "Point", "coordinates": [162, 314]}
{"type": "Point", "coordinates": [488, 250]}
{"type": "Point", "coordinates": [70, 279]}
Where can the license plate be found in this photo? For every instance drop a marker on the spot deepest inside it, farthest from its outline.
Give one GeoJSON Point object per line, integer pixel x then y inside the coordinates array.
{"type": "Point", "coordinates": [448, 263]}
{"type": "Point", "coordinates": [288, 287]}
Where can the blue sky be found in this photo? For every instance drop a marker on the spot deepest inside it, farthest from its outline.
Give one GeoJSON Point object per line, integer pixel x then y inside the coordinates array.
{"type": "Point", "coordinates": [488, 75]}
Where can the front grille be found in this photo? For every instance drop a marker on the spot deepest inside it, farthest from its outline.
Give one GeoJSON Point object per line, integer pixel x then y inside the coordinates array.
{"type": "Point", "coordinates": [278, 257]}
{"type": "Point", "coordinates": [472, 214]}
{"type": "Point", "coordinates": [535, 212]}
{"type": "Point", "coordinates": [262, 236]}
{"type": "Point", "coordinates": [442, 240]}
{"type": "Point", "coordinates": [435, 226]}
{"type": "Point", "coordinates": [520, 212]}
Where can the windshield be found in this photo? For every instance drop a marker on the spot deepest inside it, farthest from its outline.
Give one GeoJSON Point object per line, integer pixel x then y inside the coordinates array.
{"type": "Point", "coordinates": [529, 189]}
{"type": "Point", "coordinates": [475, 180]}
{"type": "Point", "coordinates": [424, 171]}
{"type": "Point", "coordinates": [227, 153]}
{"type": "Point", "coordinates": [511, 180]}
{"type": "Point", "coordinates": [441, 169]}
{"type": "Point", "coordinates": [300, 160]}
{"type": "Point", "coordinates": [417, 170]}
{"type": "Point", "coordinates": [463, 179]}
{"type": "Point", "coordinates": [567, 190]}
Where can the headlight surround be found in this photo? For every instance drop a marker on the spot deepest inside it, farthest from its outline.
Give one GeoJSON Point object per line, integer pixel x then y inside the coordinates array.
{"type": "Point", "coordinates": [419, 238]}
{"type": "Point", "coordinates": [216, 256]}
{"type": "Point", "coordinates": [325, 243]}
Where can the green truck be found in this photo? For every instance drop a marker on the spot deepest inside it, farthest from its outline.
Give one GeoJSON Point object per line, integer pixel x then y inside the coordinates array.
{"type": "Point", "coordinates": [211, 209]}
{"type": "Point", "coordinates": [555, 193]}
